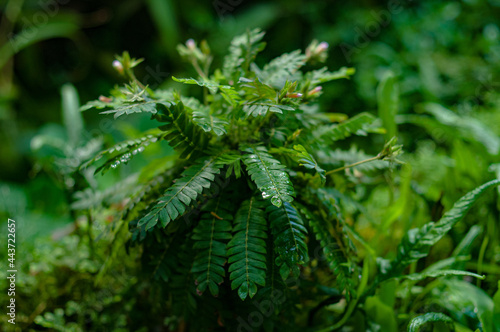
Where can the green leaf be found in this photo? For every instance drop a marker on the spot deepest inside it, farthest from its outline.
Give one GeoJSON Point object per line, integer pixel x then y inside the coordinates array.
{"type": "Point", "coordinates": [261, 98]}
{"type": "Point", "coordinates": [210, 85]}
{"type": "Point", "coordinates": [440, 273]}
{"type": "Point", "coordinates": [209, 122]}
{"type": "Point", "coordinates": [282, 68]}
{"type": "Point", "coordinates": [73, 120]}
{"type": "Point", "coordinates": [418, 241]}
{"type": "Point", "coordinates": [353, 126]}
{"type": "Point", "coordinates": [322, 75]}
{"type": "Point", "coordinates": [165, 19]}
{"type": "Point", "coordinates": [430, 317]}
{"type": "Point", "coordinates": [210, 236]}
{"type": "Point", "coordinates": [268, 174]}
{"type": "Point", "coordinates": [181, 132]}
{"type": "Point", "coordinates": [289, 238]}
{"type": "Point", "coordinates": [381, 314]}
{"type": "Point", "coordinates": [470, 128]}
{"type": "Point", "coordinates": [337, 261]}
{"type": "Point", "coordinates": [242, 52]}
{"type": "Point", "coordinates": [308, 161]}
{"type": "Point", "coordinates": [177, 198]}
{"type": "Point", "coordinates": [496, 309]}
{"type": "Point", "coordinates": [54, 28]}
{"type": "Point", "coordinates": [247, 249]}
{"type": "Point", "coordinates": [123, 152]}
{"type": "Point", "coordinates": [388, 104]}
{"type": "Point", "coordinates": [461, 294]}
{"type": "Point", "coordinates": [233, 160]}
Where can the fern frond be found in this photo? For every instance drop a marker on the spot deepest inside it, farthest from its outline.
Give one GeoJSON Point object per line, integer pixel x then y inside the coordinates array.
{"type": "Point", "coordinates": [124, 152]}
{"type": "Point", "coordinates": [181, 284]}
{"type": "Point", "coordinates": [209, 122]}
{"type": "Point", "coordinates": [210, 236]}
{"type": "Point", "coordinates": [308, 161]}
{"type": "Point", "coordinates": [210, 85]}
{"type": "Point", "coordinates": [322, 75]}
{"type": "Point", "coordinates": [261, 98]}
{"type": "Point", "coordinates": [231, 159]}
{"type": "Point", "coordinates": [243, 50]}
{"type": "Point", "coordinates": [418, 241]}
{"type": "Point", "coordinates": [289, 238]}
{"type": "Point", "coordinates": [353, 126]}
{"type": "Point", "coordinates": [247, 249]}
{"type": "Point", "coordinates": [130, 99]}
{"type": "Point", "coordinates": [282, 68]}
{"type": "Point", "coordinates": [337, 261]}
{"type": "Point", "coordinates": [268, 174]}
{"type": "Point", "coordinates": [181, 133]}
{"type": "Point", "coordinates": [177, 198]}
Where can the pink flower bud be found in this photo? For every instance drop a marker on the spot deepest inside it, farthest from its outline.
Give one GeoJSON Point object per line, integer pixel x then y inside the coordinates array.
{"type": "Point", "coordinates": [294, 95]}
{"type": "Point", "coordinates": [118, 66]}
{"type": "Point", "coordinates": [322, 47]}
{"type": "Point", "coordinates": [191, 44]}
{"type": "Point", "coordinates": [314, 91]}
{"type": "Point", "coordinates": [105, 99]}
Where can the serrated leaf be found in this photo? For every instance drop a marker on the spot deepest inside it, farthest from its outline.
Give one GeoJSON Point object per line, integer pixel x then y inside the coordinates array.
{"type": "Point", "coordinates": [430, 317]}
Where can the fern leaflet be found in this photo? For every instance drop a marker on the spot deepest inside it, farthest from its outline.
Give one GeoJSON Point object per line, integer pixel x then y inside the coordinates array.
{"type": "Point", "coordinates": [181, 133]}
{"type": "Point", "coordinates": [268, 174]}
{"type": "Point", "coordinates": [289, 238]}
{"type": "Point", "coordinates": [242, 52]}
{"type": "Point", "coordinates": [247, 249]}
{"type": "Point", "coordinates": [282, 68]}
{"type": "Point", "coordinates": [355, 125]}
{"type": "Point", "coordinates": [177, 198]}
{"type": "Point", "coordinates": [261, 98]}
{"type": "Point", "coordinates": [210, 235]}
{"type": "Point", "coordinates": [337, 262]}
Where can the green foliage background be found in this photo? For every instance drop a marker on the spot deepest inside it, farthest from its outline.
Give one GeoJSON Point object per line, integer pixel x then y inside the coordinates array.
{"type": "Point", "coordinates": [430, 72]}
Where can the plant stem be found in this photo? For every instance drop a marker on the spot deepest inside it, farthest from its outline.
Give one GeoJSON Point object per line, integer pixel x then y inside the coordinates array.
{"type": "Point", "coordinates": [377, 157]}
{"type": "Point", "coordinates": [89, 234]}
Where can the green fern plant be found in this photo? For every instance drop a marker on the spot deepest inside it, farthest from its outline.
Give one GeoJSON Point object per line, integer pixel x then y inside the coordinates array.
{"type": "Point", "coordinates": [250, 207]}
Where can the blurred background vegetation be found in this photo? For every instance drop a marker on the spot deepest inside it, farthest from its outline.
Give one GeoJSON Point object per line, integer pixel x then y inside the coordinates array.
{"type": "Point", "coordinates": [443, 56]}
